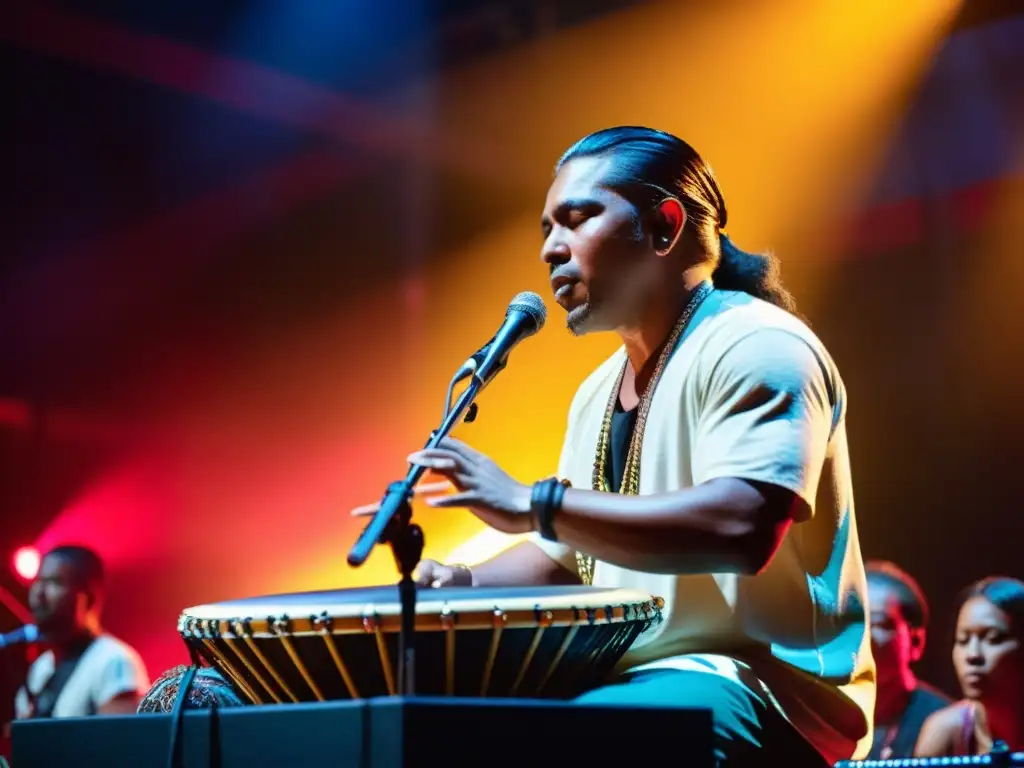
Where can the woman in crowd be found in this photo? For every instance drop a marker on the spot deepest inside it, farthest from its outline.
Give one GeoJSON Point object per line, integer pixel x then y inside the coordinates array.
{"type": "Point", "coordinates": [988, 654]}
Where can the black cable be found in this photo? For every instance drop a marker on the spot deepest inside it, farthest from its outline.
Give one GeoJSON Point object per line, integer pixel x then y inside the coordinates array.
{"type": "Point", "coordinates": [178, 713]}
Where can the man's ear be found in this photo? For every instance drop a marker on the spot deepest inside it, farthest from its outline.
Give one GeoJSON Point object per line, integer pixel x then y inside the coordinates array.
{"type": "Point", "coordinates": [90, 599]}
{"type": "Point", "coordinates": [917, 640]}
{"type": "Point", "coordinates": [669, 218]}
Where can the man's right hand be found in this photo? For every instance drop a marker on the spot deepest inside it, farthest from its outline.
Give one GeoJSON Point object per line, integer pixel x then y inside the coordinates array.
{"type": "Point", "coordinates": [434, 574]}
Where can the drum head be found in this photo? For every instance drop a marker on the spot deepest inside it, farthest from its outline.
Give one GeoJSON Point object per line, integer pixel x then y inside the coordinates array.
{"type": "Point", "coordinates": [352, 603]}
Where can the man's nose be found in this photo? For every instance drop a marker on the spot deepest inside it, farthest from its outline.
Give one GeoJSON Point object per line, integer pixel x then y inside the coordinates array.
{"type": "Point", "coordinates": [555, 252]}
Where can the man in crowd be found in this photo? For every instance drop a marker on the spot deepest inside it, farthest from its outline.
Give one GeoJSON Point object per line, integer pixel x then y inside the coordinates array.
{"type": "Point", "coordinates": [83, 670]}
{"type": "Point", "coordinates": [899, 622]}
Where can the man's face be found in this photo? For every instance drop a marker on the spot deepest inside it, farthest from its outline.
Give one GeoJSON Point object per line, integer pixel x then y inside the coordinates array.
{"type": "Point", "coordinates": [602, 267]}
{"type": "Point", "coordinates": [55, 600]}
{"type": "Point", "coordinates": [895, 644]}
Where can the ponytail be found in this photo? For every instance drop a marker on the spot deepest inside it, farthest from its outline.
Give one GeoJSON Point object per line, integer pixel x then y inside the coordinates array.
{"type": "Point", "coordinates": [756, 274]}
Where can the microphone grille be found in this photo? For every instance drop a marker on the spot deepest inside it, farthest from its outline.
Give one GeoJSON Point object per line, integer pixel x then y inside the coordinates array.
{"type": "Point", "coordinates": [532, 304]}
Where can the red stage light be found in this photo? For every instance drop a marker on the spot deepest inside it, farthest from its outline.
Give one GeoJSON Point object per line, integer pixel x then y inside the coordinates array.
{"type": "Point", "coordinates": [26, 562]}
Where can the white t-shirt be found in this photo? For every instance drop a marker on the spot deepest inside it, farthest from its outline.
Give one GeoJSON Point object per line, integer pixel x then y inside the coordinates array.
{"type": "Point", "coordinates": [107, 669]}
{"type": "Point", "coordinates": [752, 394]}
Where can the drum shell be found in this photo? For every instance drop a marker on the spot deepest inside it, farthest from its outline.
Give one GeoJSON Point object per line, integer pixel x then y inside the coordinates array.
{"type": "Point", "coordinates": [541, 642]}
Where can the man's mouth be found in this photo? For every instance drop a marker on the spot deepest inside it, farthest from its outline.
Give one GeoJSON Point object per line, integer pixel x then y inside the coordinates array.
{"type": "Point", "coordinates": [564, 286]}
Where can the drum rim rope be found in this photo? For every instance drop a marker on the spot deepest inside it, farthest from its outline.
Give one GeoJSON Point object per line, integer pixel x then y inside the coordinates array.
{"type": "Point", "coordinates": [449, 619]}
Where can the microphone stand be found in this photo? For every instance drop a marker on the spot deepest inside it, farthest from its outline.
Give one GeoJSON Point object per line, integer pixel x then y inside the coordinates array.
{"type": "Point", "coordinates": [392, 524]}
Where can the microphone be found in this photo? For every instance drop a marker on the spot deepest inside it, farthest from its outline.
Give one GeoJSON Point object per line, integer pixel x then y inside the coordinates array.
{"type": "Point", "coordinates": [525, 316]}
{"type": "Point", "coordinates": [21, 636]}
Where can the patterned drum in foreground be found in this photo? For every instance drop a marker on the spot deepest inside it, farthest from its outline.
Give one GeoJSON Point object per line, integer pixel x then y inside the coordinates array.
{"type": "Point", "coordinates": [546, 642]}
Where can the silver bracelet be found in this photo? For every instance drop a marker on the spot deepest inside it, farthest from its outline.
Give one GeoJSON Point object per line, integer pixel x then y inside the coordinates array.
{"type": "Point", "coordinates": [467, 569]}
{"type": "Point", "coordinates": [455, 566]}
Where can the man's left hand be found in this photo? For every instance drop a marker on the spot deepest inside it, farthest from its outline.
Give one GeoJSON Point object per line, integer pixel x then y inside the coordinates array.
{"type": "Point", "coordinates": [483, 487]}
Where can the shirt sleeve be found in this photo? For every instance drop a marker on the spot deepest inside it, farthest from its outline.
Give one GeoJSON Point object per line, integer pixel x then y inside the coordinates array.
{"type": "Point", "coordinates": [766, 414]}
{"type": "Point", "coordinates": [22, 709]}
{"type": "Point", "coordinates": [38, 673]}
{"type": "Point", "coordinates": [122, 673]}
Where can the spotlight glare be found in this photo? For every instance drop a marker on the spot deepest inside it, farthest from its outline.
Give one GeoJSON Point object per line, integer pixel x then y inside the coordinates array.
{"type": "Point", "coordinates": [26, 563]}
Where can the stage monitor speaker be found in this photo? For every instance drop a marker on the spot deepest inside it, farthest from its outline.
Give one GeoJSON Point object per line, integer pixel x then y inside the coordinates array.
{"type": "Point", "coordinates": [424, 733]}
{"type": "Point", "coordinates": [379, 733]}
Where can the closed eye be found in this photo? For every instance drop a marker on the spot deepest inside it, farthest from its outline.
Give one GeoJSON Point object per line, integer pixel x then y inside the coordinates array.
{"type": "Point", "coordinates": [571, 213]}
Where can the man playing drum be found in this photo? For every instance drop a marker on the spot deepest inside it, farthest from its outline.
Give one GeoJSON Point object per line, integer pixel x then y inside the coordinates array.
{"type": "Point", "coordinates": [707, 460]}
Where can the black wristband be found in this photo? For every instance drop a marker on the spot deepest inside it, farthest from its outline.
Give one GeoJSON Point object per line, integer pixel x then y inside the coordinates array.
{"type": "Point", "coordinates": [538, 505]}
{"type": "Point", "coordinates": [545, 502]}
